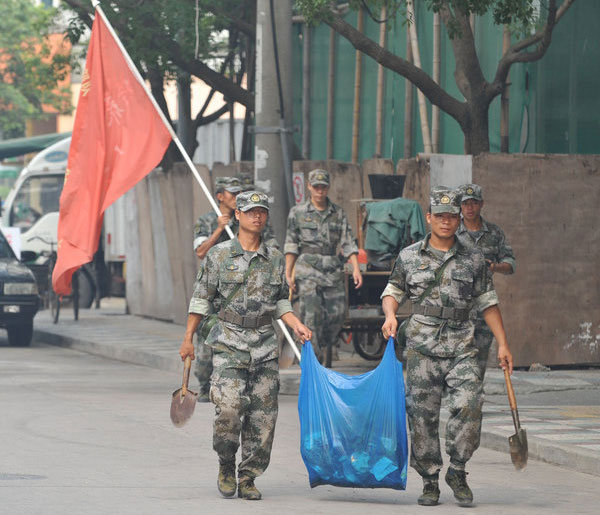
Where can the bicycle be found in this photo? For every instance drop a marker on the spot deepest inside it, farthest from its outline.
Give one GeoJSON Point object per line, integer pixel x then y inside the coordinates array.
{"type": "Point", "coordinates": [53, 300]}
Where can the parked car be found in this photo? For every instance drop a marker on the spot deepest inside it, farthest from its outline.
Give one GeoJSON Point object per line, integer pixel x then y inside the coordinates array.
{"type": "Point", "coordinates": [19, 299]}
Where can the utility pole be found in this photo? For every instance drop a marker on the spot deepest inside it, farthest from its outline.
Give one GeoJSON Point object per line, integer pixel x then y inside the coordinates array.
{"type": "Point", "coordinates": [273, 109]}
{"type": "Point", "coordinates": [184, 102]}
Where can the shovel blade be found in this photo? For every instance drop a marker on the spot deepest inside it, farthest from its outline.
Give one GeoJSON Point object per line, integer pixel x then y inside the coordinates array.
{"type": "Point", "coordinates": [518, 449]}
{"type": "Point", "coordinates": [286, 356]}
{"type": "Point", "coordinates": [182, 406]}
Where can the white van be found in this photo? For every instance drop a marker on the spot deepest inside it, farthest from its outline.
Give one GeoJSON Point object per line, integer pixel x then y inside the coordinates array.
{"type": "Point", "coordinates": [32, 206]}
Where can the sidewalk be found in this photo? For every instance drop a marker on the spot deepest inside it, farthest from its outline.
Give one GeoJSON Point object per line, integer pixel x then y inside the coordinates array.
{"type": "Point", "coordinates": [559, 409]}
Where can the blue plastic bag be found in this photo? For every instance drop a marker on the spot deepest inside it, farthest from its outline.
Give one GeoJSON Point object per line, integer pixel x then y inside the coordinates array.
{"type": "Point", "coordinates": [353, 428]}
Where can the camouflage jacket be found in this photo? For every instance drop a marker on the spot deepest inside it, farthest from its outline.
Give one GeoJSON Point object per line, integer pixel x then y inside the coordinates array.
{"type": "Point", "coordinates": [207, 224]}
{"type": "Point", "coordinates": [328, 230]}
{"type": "Point", "coordinates": [491, 241]}
{"type": "Point", "coordinates": [264, 293]}
{"type": "Point", "coordinates": [464, 284]}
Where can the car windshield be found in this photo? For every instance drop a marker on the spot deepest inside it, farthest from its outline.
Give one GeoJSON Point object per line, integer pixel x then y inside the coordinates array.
{"type": "Point", "coordinates": [5, 250]}
{"type": "Point", "coordinates": [36, 197]}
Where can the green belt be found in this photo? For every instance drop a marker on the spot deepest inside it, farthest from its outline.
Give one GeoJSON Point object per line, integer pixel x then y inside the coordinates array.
{"type": "Point", "coordinates": [458, 314]}
{"type": "Point", "coordinates": [245, 321]}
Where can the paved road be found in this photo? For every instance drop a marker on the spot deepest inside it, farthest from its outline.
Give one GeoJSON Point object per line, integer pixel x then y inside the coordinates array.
{"type": "Point", "coordinates": [84, 434]}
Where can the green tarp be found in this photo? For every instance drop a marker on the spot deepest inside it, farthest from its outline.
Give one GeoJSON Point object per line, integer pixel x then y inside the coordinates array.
{"type": "Point", "coordinates": [393, 224]}
{"type": "Point", "coordinates": [20, 146]}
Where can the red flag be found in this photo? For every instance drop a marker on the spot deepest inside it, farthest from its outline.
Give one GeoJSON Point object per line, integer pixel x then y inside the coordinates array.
{"type": "Point", "coordinates": [118, 138]}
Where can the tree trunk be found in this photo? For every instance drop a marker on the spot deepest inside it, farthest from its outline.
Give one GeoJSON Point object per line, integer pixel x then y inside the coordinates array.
{"type": "Point", "coordinates": [475, 128]}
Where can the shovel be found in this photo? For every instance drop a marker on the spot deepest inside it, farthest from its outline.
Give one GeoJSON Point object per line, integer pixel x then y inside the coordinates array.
{"type": "Point", "coordinates": [518, 441]}
{"type": "Point", "coordinates": [184, 400]}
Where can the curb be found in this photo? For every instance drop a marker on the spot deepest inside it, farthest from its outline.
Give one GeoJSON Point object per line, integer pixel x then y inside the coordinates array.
{"type": "Point", "coordinates": [134, 356]}
{"type": "Point", "coordinates": [554, 454]}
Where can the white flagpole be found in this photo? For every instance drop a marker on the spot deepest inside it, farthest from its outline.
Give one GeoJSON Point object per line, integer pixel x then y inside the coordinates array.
{"type": "Point", "coordinates": [186, 157]}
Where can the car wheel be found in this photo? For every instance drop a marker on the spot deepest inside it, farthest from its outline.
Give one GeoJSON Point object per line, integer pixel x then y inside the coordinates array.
{"type": "Point", "coordinates": [86, 290]}
{"type": "Point", "coordinates": [20, 335]}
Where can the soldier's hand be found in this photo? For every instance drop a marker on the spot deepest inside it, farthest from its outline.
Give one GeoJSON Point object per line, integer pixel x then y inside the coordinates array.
{"type": "Point", "coordinates": [186, 349]}
{"type": "Point", "coordinates": [302, 332]}
{"type": "Point", "coordinates": [389, 327]}
{"type": "Point", "coordinates": [291, 282]}
{"type": "Point", "coordinates": [198, 253]}
{"type": "Point", "coordinates": [505, 359]}
{"type": "Point", "coordinates": [358, 278]}
{"type": "Point", "coordinates": [222, 221]}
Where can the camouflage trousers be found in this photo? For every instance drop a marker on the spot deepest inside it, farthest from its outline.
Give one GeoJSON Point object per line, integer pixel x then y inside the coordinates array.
{"type": "Point", "coordinates": [245, 399]}
{"type": "Point", "coordinates": [429, 378]}
{"type": "Point", "coordinates": [204, 366]}
{"type": "Point", "coordinates": [483, 341]}
{"type": "Point", "coordinates": [321, 309]}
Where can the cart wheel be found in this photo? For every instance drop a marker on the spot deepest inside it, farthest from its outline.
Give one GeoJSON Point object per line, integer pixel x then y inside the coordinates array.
{"type": "Point", "coordinates": [369, 344]}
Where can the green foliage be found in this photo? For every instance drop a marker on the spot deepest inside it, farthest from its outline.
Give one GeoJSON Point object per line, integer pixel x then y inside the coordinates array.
{"type": "Point", "coordinates": [142, 23]}
{"type": "Point", "coordinates": [519, 14]}
{"type": "Point", "coordinates": [29, 72]}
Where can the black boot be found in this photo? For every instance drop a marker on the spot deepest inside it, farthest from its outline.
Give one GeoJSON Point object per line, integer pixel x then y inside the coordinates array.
{"type": "Point", "coordinates": [247, 490]}
{"type": "Point", "coordinates": [457, 480]}
{"type": "Point", "coordinates": [226, 480]}
{"type": "Point", "coordinates": [431, 492]}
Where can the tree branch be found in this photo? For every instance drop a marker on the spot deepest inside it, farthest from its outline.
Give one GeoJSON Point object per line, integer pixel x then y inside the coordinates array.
{"type": "Point", "coordinates": [418, 77]}
{"type": "Point", "coordinates": [242, 25]}
{"type": "Point", "coordinates": [517, 53]}
{"type": "Point", "coordinates": [215, 115]}
{"type": "Point", "coordinates": [467, 72]}
{"type": "Point", "coordinates": [229, 89]}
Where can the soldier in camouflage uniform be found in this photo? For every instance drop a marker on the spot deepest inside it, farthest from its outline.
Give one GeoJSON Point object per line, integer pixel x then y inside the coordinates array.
{"type": "Point", "coordinates": [208, 231]}
{"type": "Point", "coordinates": [315, 230]}
{"type": "Point", "coordinates": [241, 288]}
{"type": "Point", "coordinates": [475, 231]}
{"type": "Point", "coordinates": [441, 356]}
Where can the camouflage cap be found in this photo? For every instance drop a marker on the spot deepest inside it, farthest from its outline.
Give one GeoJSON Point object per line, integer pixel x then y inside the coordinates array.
{"type": "Point", "coordinates": [471, 191]}
{"type": "Point", "coordinates": [444, 200]}
{"type": "Point", "coordinates": [249, 199]}
{"type": "Point", "coordinates": [248, 187]}
{"type": "Point", "coordinates": [318, 176]}
{"type": "Point", "coordinates": [231, 184]}
{"type": "Point", "coordinates": [245, 179]}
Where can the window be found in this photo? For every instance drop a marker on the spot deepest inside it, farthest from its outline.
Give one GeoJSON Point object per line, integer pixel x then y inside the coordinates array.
{"type": "Point", "coordinates": [36, 197]}
{"type": "Point", "coordinates": [5, 250]}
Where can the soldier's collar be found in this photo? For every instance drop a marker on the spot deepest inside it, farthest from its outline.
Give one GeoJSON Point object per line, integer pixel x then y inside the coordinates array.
{"type": "Point", "coordinates": [484, 225]}
{"type": "Point", "coordinates": [236, 247]}
{"type": "Point", "coordinates": [263, 250]}
{"type": "Point", "coordinates": [237, 250]}
{"type": "Point", "coordinates": [329, 209]}
{"type": "Point", "coordinates": [457, 247]}
{"type": "Point", "coordinates": [462, 228]}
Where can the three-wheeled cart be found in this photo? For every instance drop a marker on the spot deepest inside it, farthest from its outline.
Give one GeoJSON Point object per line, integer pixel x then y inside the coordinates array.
{"type": "Point", "coordinates": [364, 316]}
{"type": "Point", "coordinates": [394, 224]}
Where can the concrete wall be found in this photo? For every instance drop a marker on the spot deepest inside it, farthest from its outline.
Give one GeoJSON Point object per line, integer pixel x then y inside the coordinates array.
{"type": "Point", "coordinates": [346, 184]}
{"type": "Point", "coordinates": [548, 207]}
{"type": "Point", "coordinates": [161, 264]}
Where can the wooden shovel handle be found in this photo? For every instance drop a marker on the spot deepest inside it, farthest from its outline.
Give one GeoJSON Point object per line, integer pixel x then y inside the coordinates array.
{"type": "Point", "coordinates": [512, 400]}
{"type": "Point", "coordinates": [187, 366]}
{"type": "Point", "coordinates": [291, 293]}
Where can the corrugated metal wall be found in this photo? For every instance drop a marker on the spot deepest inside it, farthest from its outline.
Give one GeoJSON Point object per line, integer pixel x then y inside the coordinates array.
{"type": "Point", "coordinates": [554, 106]}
